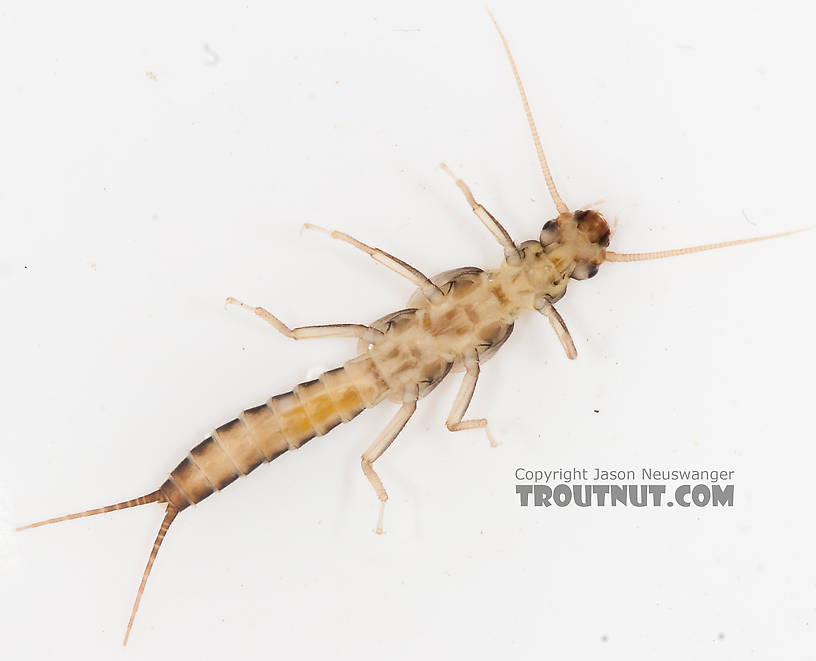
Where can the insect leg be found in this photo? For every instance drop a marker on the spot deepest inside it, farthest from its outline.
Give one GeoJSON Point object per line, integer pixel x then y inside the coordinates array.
{"type": "Point", "coordinates": [380, 445]}
{"type": "Point", "coordinates": [548, 310]}
{"type": "Point", "coordinates": [366, 333]}
{"type": "Point", "coordinates": [511, 253]}
{"type": "Point", "coordinates": [428, 288]}
{"type": "Point", "coordinates": [462, 401]}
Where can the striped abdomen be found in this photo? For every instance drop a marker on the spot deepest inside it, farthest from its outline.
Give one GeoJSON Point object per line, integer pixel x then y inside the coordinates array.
{"type": "Point", "coordinates": [284, 422]}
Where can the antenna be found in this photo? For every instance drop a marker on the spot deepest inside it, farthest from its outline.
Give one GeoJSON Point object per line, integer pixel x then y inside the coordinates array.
{"type": "Point", "coordinates": [645, 256]}
{"type": "Point", "coordinates": [559, 203]}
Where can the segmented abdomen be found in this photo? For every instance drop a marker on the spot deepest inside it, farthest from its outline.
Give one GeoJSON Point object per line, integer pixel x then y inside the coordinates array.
{"type": "Point", "coordinates": [284, 422]}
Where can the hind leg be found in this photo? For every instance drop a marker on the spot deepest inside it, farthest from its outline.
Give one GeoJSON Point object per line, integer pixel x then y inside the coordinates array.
{"type": "Point", "coordinates": [366, 333]}
{"type": "Point", "coordinates": [380, 445]}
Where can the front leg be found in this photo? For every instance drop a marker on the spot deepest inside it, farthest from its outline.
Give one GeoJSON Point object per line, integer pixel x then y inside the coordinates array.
{"type": "Point", "coordinates": [511, 252]}
{"type": "Point", "coordinates": [462, 401]}
{"type": "Point", "coordinates": [548, 310]}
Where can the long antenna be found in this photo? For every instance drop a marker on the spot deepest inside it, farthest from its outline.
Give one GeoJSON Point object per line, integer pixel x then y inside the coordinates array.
{"type": "Point", "coordinates": [559, 203]}
{"type": "Point", "coordinates": [644, 256]}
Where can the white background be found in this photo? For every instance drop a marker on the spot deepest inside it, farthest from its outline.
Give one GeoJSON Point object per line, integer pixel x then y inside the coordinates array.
{"type": "Point", "coordinates": [132, 206]}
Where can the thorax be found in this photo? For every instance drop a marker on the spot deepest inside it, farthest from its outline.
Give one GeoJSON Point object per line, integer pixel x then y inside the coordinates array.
{"type": "Point", "coordinates": [423, 343]}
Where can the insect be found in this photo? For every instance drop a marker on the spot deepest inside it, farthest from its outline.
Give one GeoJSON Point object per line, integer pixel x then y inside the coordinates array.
{"type": "Point", "coordinates": [455, 322]}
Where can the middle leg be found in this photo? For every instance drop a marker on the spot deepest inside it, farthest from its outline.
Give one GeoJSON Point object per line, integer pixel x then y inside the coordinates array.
{"type": "Point", "coordinates": [428, 288]}
{"type": "Point", "coordinates": [462, 401]}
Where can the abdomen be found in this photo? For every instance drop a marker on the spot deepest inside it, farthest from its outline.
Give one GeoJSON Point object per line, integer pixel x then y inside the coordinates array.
{"type": "Point", "coordinates": [263, 433]}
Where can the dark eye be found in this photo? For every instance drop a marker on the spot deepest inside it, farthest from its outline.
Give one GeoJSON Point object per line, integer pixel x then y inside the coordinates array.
{"type": "Point", "coordinates": [584, 270]}
{"type": "Point", "coordinates": [549, 233]}
{"type": "Point", "coordinates": [594, 227]}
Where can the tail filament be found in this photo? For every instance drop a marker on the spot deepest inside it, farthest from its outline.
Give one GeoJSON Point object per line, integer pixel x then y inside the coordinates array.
{"type": "Point", "coordinates": [170, 513]}
{"type": "Point", "coordinates": [155, 497]}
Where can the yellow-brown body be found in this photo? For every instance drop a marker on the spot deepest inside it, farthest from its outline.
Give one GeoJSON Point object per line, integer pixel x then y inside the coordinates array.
{"type": "Point", "coordinates": [455, 320]}
{"type": "Point", "coordinates": [418, 347]}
